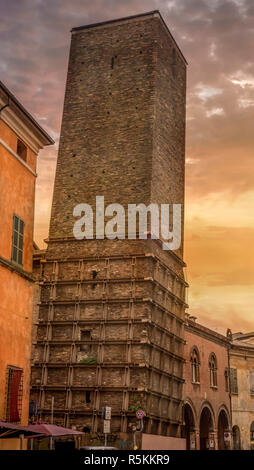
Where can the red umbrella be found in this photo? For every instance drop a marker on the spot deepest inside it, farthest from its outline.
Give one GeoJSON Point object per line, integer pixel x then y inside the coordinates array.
{"type": "Point", "coordinates": [51, 430]}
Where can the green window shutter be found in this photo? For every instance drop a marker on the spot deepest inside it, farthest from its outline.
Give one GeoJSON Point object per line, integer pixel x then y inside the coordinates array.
{"type": "Point", "coordinates": [17, 240]}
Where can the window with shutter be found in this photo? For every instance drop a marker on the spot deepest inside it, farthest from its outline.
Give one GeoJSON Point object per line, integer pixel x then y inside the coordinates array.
{"type": "Point", "coordinates": [252, 382]}
{"type": "Point", "coordinates": [17, 240]}
{"type": "Point", "coordinates": [14, 392]}
{"type": "Point", "coordinates": [233, 381]}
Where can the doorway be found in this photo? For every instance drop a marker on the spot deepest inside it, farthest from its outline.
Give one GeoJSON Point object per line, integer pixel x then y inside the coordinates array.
{"type": "Point", "coordinates": [188, 426]}
{"type": "Point", "coordinates": [223, 426]}
{"type": "Point", "coordinates": [206, 426]}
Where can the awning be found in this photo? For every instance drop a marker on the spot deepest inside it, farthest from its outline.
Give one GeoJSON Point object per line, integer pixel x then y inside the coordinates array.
{"type": "Point", "coordinates": [52, 430]}
{"type": "Point", "coordinates": [11, 431]}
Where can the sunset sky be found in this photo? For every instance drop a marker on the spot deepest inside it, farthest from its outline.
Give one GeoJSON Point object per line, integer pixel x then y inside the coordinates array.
{"type": "Point", "coordinates": [217, 38]}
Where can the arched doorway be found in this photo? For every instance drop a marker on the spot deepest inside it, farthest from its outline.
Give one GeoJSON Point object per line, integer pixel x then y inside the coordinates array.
{"type": "Point", "coordinates": [236, 438]}
{"type": "Point", "coordinates": [188, 425]}
{"type": "Point", "coordinates": [206, 426]}
{"type": "Point", "coordinates": [223, 426]}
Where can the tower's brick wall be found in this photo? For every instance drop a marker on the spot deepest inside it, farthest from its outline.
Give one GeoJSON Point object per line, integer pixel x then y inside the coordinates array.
{"type": "Point", "coordinates": [123, 128]}
{"type": "Point", "coordinates": [111, 111]}
{"type": "Point", "coordinates": [111, 311]}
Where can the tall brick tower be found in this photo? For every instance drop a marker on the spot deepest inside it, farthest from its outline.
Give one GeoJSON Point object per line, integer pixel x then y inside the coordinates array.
{"type": "Point", "coordinates": [110, 328]}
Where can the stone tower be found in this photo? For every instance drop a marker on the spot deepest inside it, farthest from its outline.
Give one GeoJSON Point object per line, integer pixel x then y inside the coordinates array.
{"type": "Point", "coordinates": [111, 313]}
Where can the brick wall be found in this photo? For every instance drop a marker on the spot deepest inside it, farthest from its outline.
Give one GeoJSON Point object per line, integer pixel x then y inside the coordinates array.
{"type": "Point", "coordinates": [126, 296]}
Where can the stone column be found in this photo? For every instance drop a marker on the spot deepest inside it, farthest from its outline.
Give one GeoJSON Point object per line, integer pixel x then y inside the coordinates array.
{"type": "Point", "coordinates": [213, 436]}
{"type": "Point", "coordinates": [197, 438]}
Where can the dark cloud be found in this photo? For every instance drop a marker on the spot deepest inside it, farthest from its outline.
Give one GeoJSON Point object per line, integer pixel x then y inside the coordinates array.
{"type": "Point", "coordinates": [215, 37]}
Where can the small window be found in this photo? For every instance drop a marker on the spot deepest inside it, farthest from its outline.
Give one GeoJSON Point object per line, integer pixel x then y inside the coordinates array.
{"type": "Point", "coordinates": [17, 240]}
{"type": "Point", "coordinates": [21, 150]}
{"type": "Point", "coordinates": [85, 335]}
{"type": "Point", "coordinates": [14, 391]}
{"type": "Point", "coordinates": [195, 366]}
{"type": "Point", "coordinates": [94, 273]}
{"type": "Point", "coordinates": [213, 370]}
{"type": "Point", "coordinates": [233, 381]}
{"type": "Point", "coordinates": [33, 409]}
{"type": "Point", "coordinates": [88, 397]}
{"type": "Point", "coordinates": [86, 429]}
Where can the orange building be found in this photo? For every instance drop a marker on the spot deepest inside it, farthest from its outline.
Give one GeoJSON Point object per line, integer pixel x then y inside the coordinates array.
{"type": "Point", "coordinates": [21, 138]}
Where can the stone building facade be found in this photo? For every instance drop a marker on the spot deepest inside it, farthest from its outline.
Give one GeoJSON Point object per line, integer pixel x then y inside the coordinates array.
{"type": "Point", "coordinates": [21, 139]}
{"type": "Point", "coordinates": [111, 314]}
{"type": "Point", "coordinates": [206, 392]}
{"type": "Point", "coordinates": [242, 389]}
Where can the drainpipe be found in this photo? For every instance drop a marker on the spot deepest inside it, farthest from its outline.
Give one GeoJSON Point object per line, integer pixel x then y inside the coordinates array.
{"type": "Point", "coordinates": [229, 386]}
